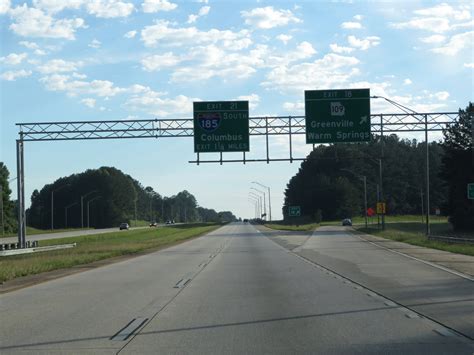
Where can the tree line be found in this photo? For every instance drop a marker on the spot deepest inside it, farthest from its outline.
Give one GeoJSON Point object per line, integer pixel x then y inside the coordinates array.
{"type": "Point", "coordinates": [106, 197]}
{"type": "Point", "coordinates": [329, 184]}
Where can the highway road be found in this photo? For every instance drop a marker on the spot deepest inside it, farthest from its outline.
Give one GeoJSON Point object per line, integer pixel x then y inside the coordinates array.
{"type": "Point", "coordinates": [234, 291]}
{"type": "Point", "coordinates": [59, 235]}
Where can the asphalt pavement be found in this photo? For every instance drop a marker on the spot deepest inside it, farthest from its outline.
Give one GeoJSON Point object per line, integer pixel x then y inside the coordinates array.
{"type": "Point", "coordinates": [60, 235]}
{"type": "Point", "coordinates": [233, 291]}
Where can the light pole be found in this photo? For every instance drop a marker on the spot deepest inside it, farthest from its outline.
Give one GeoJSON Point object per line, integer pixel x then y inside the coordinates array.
{"type": "Point", "coordinates": [269, 198]}
{"type": "Point", "coordinates": [88, 202]}
{"type": "Point", "coordinates": [364, 179]}
{"type": "Point", "coordinates": [52, 204]}
{"type": "Point", "coordinates": [264, 201]}
{"type": "Point", "coordinates": [82, 206]}
{"type": "Point", "coordinates": [65, 212]}
{"type": "Point", "coordinates": [259, 199]}
{"type": "Point", "coordinates": [255, 205]}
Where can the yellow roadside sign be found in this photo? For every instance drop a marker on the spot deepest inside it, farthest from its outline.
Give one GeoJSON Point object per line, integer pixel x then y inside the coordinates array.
{"type": "Point", "coordinates": [381, 208]}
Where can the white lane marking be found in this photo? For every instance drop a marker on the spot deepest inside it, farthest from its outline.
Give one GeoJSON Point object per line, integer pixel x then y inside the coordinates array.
{"type": "Point", "coordinates": [444, 332]}
{"type": "Point", "coordinates": [457, 273]}
{"type": "Point", "coordinates": [129, 329]}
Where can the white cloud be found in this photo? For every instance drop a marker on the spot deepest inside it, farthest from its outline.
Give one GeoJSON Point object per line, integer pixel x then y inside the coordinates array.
{"type": "Point", "coordinates": [331, 71]}
{"type": "Point", "coordinates": [351, 25]}
{"type": "Point", "coordinates": [155, 103]}
{"type": "Point", "coordinates": [95, 43]}
{"type": "Point", "coordinates": [294, 106]}
{"type": "Point", "coordinates": [109, 8]}
{"type": "Point", "coordinates": [363, 44]}
{"type": "Point", "coordinates": [202, 12]}
{"type": "Point", "coordinates": [268, 17]}
{"type": "Point", "coordinates": [13, 58]}
{"type": "Point", "coordinates": [432, 24]}
{"type": "Point", "coordinates": [162, 32]}
{"type": "Point", "coordinates": [442, 95]}
{"type": "Point", "coordinates": [58, 66]}
{"type": "Point", "coordinates": [130, 34]}
{"type": "Point", "coordinates": [32, 22]}
{"type": "Point", "coordinates": [157, 62]}
{"type": "Point", "coordinates": [59, 82]}
{"type": "Point", "coordinates": [469, 65]}
{"type": "Point", "coordinates": [150, 6]}
{"type": "Point", "coordinates": [253, 100]}
{"type": "Point", "coordinates": [445, 10]}
{"type": "Point", "coordinates": [358, 17]}
{"type": "Point", "coordinates": [340, 49]}
{"type": "Point", "coordinates": [407, 82]}
{"type": "Point", "coordinates": [89, 102]}
{"type": "Point", "coordinates": [284, 38]}
{"type": "Point", "coordinates": [457, 43]}
{"type": "Point", "coordinates": [433, 39]}
{"type": "Point", "coordinates": [13, 75]}
{"type": "Point", "coordinates": [54, 6]}
{"type": "Point", "coordinates": [4, 6]}
{"type": "Point", "coordinates": [29, 45]}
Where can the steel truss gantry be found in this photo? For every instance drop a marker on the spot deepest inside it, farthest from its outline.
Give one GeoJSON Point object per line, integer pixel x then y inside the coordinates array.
{"type": "Point", "coordinates": [169, 128]}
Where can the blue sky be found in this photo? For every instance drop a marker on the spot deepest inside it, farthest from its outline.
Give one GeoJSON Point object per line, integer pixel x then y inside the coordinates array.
{"type": "Point", "coordinates": [117, 59]}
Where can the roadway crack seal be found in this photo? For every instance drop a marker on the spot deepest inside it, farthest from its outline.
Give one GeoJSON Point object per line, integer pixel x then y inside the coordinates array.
{"type": "Point", "coordinates": [397, 304]}
{"type": "Point", "coordinates": [147, 321]}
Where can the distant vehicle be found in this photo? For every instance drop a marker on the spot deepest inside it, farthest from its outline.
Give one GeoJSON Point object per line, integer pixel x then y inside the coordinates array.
{"type": "Point", "coordinates": [347, 222]}
{"type": "Point", "coordinates": [124, 226]}
{"type": "Point", "coordinates": [172, 221]}
{"type": "Point", "coordinates": [246, 220]}
{"type": "Point", "coordinates": [168, 222]}
{"type": "Point", "coordinates": [153, 224]}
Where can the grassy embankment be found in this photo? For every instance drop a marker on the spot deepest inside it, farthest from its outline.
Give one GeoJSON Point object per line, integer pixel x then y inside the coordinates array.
{"type": "Point", "coordinates": [98, 247]}
{"type": "Point", "coordinates": [414, 233]}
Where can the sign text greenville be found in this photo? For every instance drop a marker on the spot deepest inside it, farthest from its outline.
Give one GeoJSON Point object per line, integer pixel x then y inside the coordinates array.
{"type": "Point", "coordinates": [221, 126]}
{"type": "Point", "coordinates": [337, 115]}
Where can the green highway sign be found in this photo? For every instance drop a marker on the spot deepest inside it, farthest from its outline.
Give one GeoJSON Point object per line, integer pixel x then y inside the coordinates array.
{"type": "Point", "coordinates": [337, 116]}
{"type": "Point", "coordinates": [470, 191]}
{"type": "Point", "coordinates": [294, 211]}
{"type": "Point", "coordinates": [221, 126]}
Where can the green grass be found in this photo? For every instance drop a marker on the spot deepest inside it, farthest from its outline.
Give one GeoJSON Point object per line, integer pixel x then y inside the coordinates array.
{"type": "Point", "coordinates": [292, 227]}
{"type": "Point", "coordinates": [97, 247]}
{"type": "Point", "coordinates": [414, 233]}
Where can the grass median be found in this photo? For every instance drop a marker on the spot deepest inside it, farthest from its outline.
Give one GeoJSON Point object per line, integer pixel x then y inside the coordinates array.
{"type": "Point", "coordinates": [414, 233]}
{"type": "Point", "coordinates": [92, 248]}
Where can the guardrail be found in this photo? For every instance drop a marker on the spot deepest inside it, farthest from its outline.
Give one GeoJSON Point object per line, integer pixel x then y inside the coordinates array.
{"type": "Point", "coordinates": [454, 240]}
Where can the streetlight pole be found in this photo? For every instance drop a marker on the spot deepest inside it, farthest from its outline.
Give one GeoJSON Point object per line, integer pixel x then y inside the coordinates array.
{"type": "Point", "coordinates": [82, 206]}
{"type": "Point", "coordinates": [88, 202]}
{"type": "Point", "coordinates": [264, 201]}
{"type": "Point", "coordinates": [259, 199]}
{"type": "Point", "coordinates": [269, 198]}
{"type": "Point", "coordinates": [255, 205]}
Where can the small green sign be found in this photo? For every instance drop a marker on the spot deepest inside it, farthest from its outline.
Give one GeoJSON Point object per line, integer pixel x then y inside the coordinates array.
{"type": "Point", "coordinates": [470, 191]}
{"type": "Point", "coordinates": [294, 211]}
{"type": "Point", "coordinates": [337, 116]}
{"type": "Point", "coordinates": [221, 126]}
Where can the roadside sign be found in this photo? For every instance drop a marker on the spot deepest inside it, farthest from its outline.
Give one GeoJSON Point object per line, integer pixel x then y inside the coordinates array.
{"type": "Point", "coordinates": [381, 208]}
{"type": "Point", "coordinates": [370, 212]}
{"type": "Point", "coordinates": [334, 116]}
{"type": "Point", "coordinates": [437, 212]}
{"type": "Point", "coordinates": [221, 126]}
{"type": "Point", "coordinates": [470, 191]}
{"type": "Point", "coordinates": [294, 211]}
